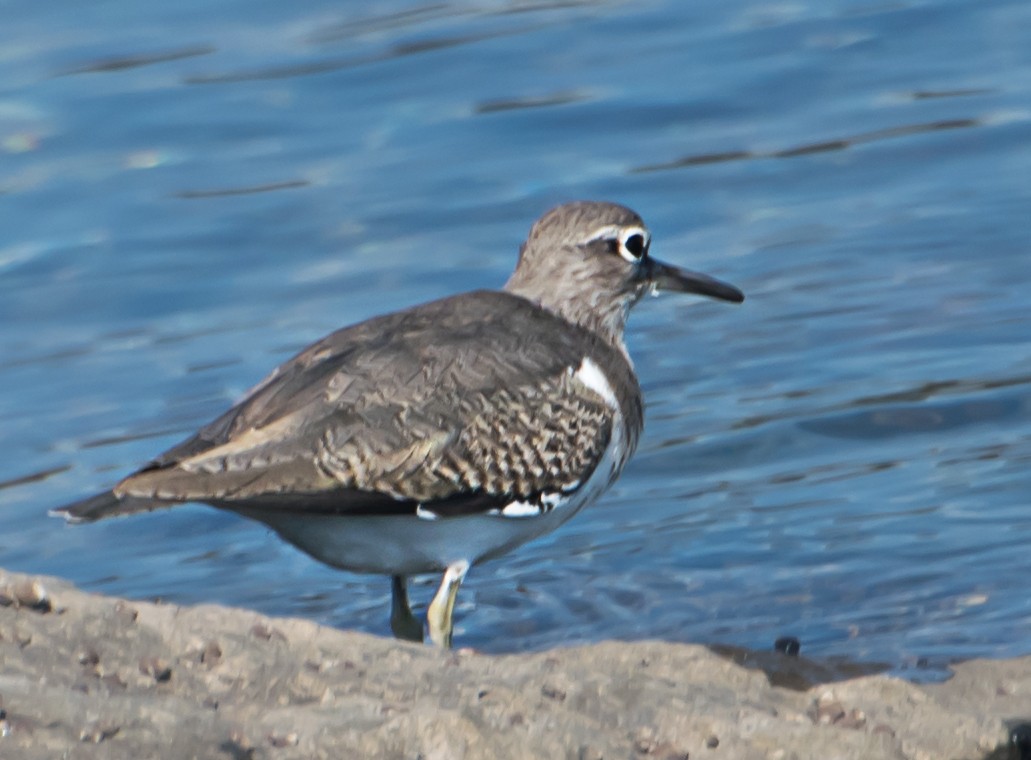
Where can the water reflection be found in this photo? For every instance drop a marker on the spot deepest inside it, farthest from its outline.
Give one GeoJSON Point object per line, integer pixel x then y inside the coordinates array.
{"type": "Point", "coordinates": [144, 59]}
{"type": "Point", "coordinates": [822, 146]}
{"type": "Point", "coordinates": [449, 15]}
{"type": "Point", "coordinates": [268, 187]}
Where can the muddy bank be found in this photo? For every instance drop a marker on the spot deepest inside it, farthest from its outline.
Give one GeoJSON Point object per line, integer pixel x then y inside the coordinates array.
{"type": "Point", "coordinates": [88, 676]}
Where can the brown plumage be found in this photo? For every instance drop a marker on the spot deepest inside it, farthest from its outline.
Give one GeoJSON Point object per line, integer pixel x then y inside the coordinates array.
{"type": "Point", "coordinates": [408, 406]}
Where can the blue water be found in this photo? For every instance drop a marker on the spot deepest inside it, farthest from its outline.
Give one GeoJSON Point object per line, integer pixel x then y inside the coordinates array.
{"type": "Point", "coordinates": [191, 192]}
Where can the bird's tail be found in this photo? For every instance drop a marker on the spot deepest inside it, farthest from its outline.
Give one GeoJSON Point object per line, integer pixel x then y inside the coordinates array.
{"type": "Point", "coordinates": [106, 504]}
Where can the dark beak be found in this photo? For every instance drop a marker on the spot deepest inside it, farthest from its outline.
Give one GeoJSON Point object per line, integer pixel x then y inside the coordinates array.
{"type": "Point", "coordinates": [667, 277]}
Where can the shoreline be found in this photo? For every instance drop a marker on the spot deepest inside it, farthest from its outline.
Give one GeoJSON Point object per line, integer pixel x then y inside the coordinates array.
{"type": "Point", "coordinates": [87, 675]}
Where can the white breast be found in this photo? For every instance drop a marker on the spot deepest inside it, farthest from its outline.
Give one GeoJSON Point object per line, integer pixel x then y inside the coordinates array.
{"type": "Point", "coordinates": [591, 375]}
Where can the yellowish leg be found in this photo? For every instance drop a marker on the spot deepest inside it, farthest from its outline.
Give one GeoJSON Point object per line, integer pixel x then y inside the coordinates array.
{"type": "Point", "coordinates": [438, 616]}
{"type": "Point", "coordinates": [403, 623]}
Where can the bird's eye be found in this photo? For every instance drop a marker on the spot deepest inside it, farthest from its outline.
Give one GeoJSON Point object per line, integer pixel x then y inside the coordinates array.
{"type": "Point", "coordinates": [634, 246]}
{"type": "Point", "coordinates": [631, 243]}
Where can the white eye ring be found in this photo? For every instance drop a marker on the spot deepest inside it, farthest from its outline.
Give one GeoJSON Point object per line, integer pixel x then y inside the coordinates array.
{"type": "Point", "coordinates": [633, 243]}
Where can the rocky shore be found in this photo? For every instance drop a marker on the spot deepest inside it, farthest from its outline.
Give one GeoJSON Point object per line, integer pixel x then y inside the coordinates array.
{"type": "Point", "coordinates": [87, 676]}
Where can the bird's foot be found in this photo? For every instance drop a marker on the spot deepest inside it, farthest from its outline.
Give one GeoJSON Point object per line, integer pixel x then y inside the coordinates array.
{"type": "Point", "coordinates": [439, 615]}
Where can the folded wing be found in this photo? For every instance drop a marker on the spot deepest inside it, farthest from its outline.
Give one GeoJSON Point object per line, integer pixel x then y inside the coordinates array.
{"type": "Point", "coordinates": [457, 406]}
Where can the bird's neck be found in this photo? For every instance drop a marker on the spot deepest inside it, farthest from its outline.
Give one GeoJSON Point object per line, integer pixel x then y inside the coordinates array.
{"type": "Point", "coordinates": [601, 314]}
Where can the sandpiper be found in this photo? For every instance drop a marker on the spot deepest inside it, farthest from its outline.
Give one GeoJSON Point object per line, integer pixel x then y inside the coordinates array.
{"type": "Point", "coordinates": [432, 438]}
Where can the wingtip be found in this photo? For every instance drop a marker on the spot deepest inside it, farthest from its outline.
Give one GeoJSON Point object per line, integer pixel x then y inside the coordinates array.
{"type": "Point", "coordinates": [89, 509]}
{"type": "Point", "coordinates": [66, 515]}
{"type": "Point", "coordinates": [59, 512]}
{"type": "Point", "coordinates": [104, 505]}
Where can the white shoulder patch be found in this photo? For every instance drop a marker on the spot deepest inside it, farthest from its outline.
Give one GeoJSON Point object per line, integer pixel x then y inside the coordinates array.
{"type": "Point", "coordinates": [591, 375]}
{"type": "Point", "coordinates": [424, 514]}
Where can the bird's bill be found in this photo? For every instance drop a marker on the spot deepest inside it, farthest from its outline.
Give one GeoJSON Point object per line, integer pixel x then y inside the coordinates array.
{"type": "Point", "coordinates": [667, 277]}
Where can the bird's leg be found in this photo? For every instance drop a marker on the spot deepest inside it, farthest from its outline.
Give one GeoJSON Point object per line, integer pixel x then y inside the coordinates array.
{"type": "Point", "coordinates": [403, 623]}
{"type": "Point", "coordinates": [438, 616]}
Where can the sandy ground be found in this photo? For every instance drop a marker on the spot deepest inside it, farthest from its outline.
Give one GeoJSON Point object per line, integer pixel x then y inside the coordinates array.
{"type": "Point", "coordinates": [86, 676]}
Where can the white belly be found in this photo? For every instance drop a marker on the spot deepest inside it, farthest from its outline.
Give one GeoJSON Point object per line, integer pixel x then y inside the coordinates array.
{"type": "Point", "coordinates": [405, 544]}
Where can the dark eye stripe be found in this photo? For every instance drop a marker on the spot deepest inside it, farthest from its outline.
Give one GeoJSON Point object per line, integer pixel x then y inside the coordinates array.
{"type": "Point", "coordinates": [635, 245]}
